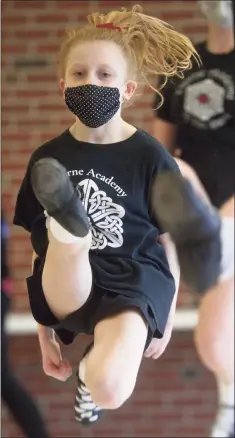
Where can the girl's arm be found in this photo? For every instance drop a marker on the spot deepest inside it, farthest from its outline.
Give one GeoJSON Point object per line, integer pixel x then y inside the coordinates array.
{"type": "Point", "coordinates": [172, 258]}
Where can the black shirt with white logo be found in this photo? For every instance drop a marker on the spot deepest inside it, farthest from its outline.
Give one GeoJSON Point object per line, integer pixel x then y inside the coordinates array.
{"type": "Point", "coordinates": [202, 105]}
{"type": "Point", "coordinates": [115, 183]}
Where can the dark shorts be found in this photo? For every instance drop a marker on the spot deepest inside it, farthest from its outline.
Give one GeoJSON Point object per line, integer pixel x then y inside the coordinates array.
{"type": "Point", "coordinates": [100, 304]}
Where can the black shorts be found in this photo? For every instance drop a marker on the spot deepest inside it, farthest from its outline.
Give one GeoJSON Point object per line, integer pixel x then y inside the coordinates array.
{"type": "Point", "coordinates": [100, 304]}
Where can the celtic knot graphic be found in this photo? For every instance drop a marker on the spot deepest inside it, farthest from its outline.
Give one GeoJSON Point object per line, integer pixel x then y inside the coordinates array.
{"type": "Point", "coordinates": [105, 216]}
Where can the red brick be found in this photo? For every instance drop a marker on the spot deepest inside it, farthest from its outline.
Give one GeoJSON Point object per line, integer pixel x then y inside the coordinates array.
{"type": "Point", "coordinates": [48, 107]}
{"type": "Point", "coordinates": [16, 137]}
{"type": "Point", "coordinates": [51, 19]}
{"type": "Point", "coordinates": [41, 78]}
{"type": "Point", "coordinates": [5, 123]}
{"type": "Point", "coordinates": [31, 123]}
{"type": "Point", "coordinates": [145, 432]}
{"type": "Point", "coordinates": [34, 4]}
{"type": "Point", "coordinates": [176, 15]}
{"type": "Point", "coordinates": [14, 49]}
{"type": "Point", "coordinates": [113, 4]}
{"type": "Point", "coordinates": [31, 33]}
{"type": "Point", "coordinates": [72, 4]}
{"type": "Point", "coordinates": [15, 108]}
{"type": "Point", "coordinates": [32, 93]}
{"type": "Point", "coordinates": [46, 48]}
{"type": "Point", "coordinates": [194, 29]}
{"type": "Point", "coordinates": [14, 166]}
{"type": "Point", "coordinates": [61, 33]}
{"type": "Point", "coordinates": [8, 20]}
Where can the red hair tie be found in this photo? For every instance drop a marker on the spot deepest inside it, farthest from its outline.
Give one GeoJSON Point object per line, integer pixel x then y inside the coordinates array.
{"type": "Point", "coordinates": [109, 26]}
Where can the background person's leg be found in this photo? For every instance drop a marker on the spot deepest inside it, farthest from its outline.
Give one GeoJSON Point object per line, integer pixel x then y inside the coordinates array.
{"type": "Point", "coordinates": [16, 397]}
{"type": "Point", "coordinates": [214, 335]}
{"type": "Point", "coordinates": [204, 241]}
{"type": "Point", "coordinates": [20, 402]}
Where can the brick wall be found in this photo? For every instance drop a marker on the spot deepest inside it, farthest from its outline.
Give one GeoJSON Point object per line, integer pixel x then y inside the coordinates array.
{"type": "Point", "coordinates": [33, 112]}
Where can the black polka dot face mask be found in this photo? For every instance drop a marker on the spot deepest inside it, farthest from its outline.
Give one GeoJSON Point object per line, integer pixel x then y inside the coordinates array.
{"type": "Point", "coordinates": [93, 105]}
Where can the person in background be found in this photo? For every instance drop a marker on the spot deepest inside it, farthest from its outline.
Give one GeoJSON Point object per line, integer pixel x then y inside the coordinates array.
{"type": "Point", "coordinates": [17, 399]}
{"type": "Point", "coordinates": [197, 124]}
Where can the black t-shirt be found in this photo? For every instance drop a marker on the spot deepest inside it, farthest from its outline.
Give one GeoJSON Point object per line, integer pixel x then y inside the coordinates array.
{"type": "Point", "coordinates": [202, 105]}
{"type": "Point", "coordinates": [115, 181]}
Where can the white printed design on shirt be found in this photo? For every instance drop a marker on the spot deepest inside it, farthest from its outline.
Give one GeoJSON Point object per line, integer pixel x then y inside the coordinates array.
{"type": "Point", "coordinates": [105, 216]}
{"type": "Point", "coordinates": [205, 93]}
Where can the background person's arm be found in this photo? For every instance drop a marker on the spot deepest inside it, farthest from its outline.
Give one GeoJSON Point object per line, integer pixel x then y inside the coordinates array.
{"type": "Point", "coordinates": [164, 127]}
{"type": "Point", "coordinates": [165, 133]}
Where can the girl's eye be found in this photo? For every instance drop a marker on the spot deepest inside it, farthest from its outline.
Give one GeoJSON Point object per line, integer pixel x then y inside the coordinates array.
{"type": "Point", "coordinates": [106, 75]}
{"type": "Point", "coordinates": [78, 74]}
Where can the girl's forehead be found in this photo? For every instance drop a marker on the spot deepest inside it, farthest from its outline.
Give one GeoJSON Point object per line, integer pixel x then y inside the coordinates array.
{"type": "Point", "coordinates": [92, 53]}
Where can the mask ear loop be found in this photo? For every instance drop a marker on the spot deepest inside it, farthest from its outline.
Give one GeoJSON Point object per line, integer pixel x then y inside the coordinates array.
{"type": "Point", "coordinates": [66, 88]}
{"type": "Point", "coordinates": [123, 100]}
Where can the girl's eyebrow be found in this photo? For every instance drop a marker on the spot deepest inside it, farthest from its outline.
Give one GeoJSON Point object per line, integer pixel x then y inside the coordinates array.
{"type": "Point", "coordinates": [76, 65]}
{"type": "Point", "coordinates": [81, 65]}
{"type": "Point", "coordinates": [108, 66]}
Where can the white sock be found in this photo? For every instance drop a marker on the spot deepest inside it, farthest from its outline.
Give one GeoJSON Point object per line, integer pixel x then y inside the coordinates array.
{"type": "Point", "coordinates": [81, 371]}
{"type": "Point", "coordinates": [227, 240]}
{"type": "Point", "coordinates": [60, 233]}
{"type": "Point", "coordinates": [225, 393]}
{"type": "Point", "coordinates": [224, 421]}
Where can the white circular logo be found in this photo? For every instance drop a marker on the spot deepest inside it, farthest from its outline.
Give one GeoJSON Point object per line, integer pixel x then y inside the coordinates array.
{"type": "Point", "coordinates": [105, 216]}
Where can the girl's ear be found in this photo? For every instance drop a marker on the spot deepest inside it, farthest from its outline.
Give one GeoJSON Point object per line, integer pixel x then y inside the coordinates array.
{"type": "Point", "coordinates": [130, 90]}
{"type": "Point", "coordinates": [62, 85]}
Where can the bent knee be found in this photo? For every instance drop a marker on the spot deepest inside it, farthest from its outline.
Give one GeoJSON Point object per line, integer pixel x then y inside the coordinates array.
{"type": "Point", "coordinates": [209, 346]}
{"type": "Point", "coordinates": [110, 393]}
{"type": "Point", "coordinates": [217, 358]}
{"type": "Point", "coordinates": [215, 348]}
